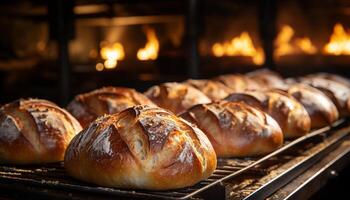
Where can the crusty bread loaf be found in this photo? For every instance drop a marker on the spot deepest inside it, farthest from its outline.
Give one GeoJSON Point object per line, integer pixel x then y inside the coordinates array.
{"type": "Point", "coordinates": [176, 97]}
{"type": "Point", "coordinates": [267, 79]}
{"type": "Point", "coordinates": [337, 92]}
{"type": "Point", "coordinates": [236, 129]}
{"type": "Point", "coordinates": [320, 108]}
{"type": "Point", "coordinates": [333, 77]}
{"type": "Point", "coordinates": [87, 107]}
{"type": "Point", "coordinates": [141, 148]}
{"type": "Point", "coordinates": [215, 90]}
{"type": "Point", "coordinates": [237, 82]}
{"type": "Point", "coordinates": [35, 131]}
{"type": "Point", "coordinates": [288, 112]}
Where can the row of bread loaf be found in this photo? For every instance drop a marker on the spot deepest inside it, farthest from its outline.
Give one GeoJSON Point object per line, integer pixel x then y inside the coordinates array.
{"type": "Point", "coordinates": [124, 140]}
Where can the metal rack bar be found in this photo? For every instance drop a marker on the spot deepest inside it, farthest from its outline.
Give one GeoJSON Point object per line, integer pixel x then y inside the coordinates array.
{"type": "Point", "coordinates": [61, 29]}
{"type": "Point", "coordinates": [267, 26]}
{"type": "Point", "coordinates": [192, 28]}
{"type": "Point", "coordinates": [282, 179]}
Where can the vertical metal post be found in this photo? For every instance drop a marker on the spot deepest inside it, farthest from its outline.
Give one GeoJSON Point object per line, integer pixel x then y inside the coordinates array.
{"type": "Point", "coordinates": [61, 16]}
{"type": "Point", "coordinates": [267, 25]}
{"type": "Point", "coordinates": [192, 28]}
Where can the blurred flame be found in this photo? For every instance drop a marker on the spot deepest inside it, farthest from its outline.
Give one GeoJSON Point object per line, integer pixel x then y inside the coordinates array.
{"type": "Point", "coordinates": [99, 67]}
{"type": "Point", "coordinates": [306, 45]}
{"type": "Point", "coordinates": [150, 51]}
{"type": "Point", "coordinates": [285, 45]}
{"type": "Point", "coordinates": [241, 45]}
{"type": "Point", "coordinates": [339, 42]}
{"type": "Point", "coordinates": [111, 54]}
{"type": "Point", "coordinates": [282, 41]}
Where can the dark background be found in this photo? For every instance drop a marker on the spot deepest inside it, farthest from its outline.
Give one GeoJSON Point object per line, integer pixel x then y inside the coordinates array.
{"type": "Point", "coordinates": [44, 45]}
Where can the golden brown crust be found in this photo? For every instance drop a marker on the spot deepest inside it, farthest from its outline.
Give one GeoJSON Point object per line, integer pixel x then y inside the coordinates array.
{"type": "Point", "coordinates": [215, 90]}
{"type": "Point", "coordinates": [320, 108]}
{"type": "Point", "coordinates": [87, 107]}
{"type": "Point", "coordinates": [267, 79]}
{"type": "Point", "coordinates": [141, 148]}
{"type": "Point", "coordinates": [176, 97]}
{"type": "Point", "coordinates": [288, 112]}
{"type": "Point", "coordinates": [332, 77]}
{"type": "Point", "coordinates": [35, 131]}
{"type": "Point", "coordinates": [237, 82]}
{"type": "Point", "coordinates": [337, 92]}
{"type": "Point", "coordinates": [236, 129]}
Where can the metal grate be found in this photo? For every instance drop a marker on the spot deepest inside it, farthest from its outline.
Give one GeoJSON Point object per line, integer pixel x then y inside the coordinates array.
{"type": "Point", "coordinates": [53, 176]}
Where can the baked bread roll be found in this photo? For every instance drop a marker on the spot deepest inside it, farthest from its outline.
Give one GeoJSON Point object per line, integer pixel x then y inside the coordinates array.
{"type": "Point", "coordinates": [288, 112]}
{"type": "Point", "coordinates": [215, 90]}
{"type": "Point", "coordinates": [337, 92]}
{"type": "Point", "coordinates": [237, 82]}
{"type": "Point", "coordinates": [267, 79]}
{"type": "Point", "coordinates": [176, 97]}
{"type": "Point", "coordinates": [141, 148]}
{"type": "Point", "coordinates": [332, 77]}
{"type": "Point", "coordinates": [35, 131]}
{"type": "Point", "coordinates": [236, 129]}
{"type": "Point", "coordinates": [87, 107]}
{"type": "Point", "coordinates": [320, 108]}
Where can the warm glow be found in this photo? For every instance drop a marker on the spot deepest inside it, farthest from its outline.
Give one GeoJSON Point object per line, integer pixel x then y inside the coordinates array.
{"type": "Point", "coordinates": [111, 54]}
{"type": "Point", "coordinates": [282, 42]}
{"type": "Point", "coordinates": [99, 67]}
{"type": "Point", "coordinates": [339, 43]}
{"type": "Point", "coordinates": [240, 46]}
{"type": "Point", "coordinates": [306, 45]}
{"type": "Point", "coordinates": [286, 45]}
{"type": "Point", "coordinates": [218, 50]}
{"type": "Point", "coordinates": [110, 64]}
{"type": "Point", "coordinates": [150, 51]}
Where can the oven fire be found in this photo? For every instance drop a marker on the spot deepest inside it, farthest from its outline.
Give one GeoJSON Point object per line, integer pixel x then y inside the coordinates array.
{"type": "Point", "coordinates": [339, 42]}
{"type": "Point", "coordinates": [285, 44]}
{"type": "Point", "coordinates": [111, 54]}
{"type": "Point", "coordinates": [241, 45]}
{"type": "Point", "coordinates": [150, 51]}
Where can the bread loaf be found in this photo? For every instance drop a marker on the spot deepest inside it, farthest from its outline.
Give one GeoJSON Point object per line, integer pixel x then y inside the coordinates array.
{"type": "Point", "coordinates": [236, 129]}
{"type": "Point", "coordinates": [337, 92]}
{"type": "Point", "coordinates": [237, 82]}
{"type": "Point", "coordinates": [87, 107]}
{"type": "Point", "coordinates": [332, 77]}
{"type": "Point", "coordinates": [215, 90]}
{"type": "Point", "coordinates": [35, 131]}
{"type": "Point", "coordinates": [267, 79]}
{"type": "Point", "coordinates": [288, 112]}
{"type": "Point", "coordinates": [141, 148]}
{"type": "Point", "coordinates": [176, 97]}
{"type": "Point", "coordinates": [320, 108]}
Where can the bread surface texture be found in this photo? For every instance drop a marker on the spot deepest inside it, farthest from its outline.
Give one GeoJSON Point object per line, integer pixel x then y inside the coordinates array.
{"type": "Point", "coordinates": [287, 111]}
{"type": "Point", "coordinates": [176, 97]}
{"type": "Point", "coordinates": [321, 109]}
{"type": "Point", "coordinates": [107, 100]}
{"type": "Point", "coordinates": [236, 129]}
{"type": "Point", "coordinates": [34, 131]}
{"type": "Point", "coordinates": [141, 147]}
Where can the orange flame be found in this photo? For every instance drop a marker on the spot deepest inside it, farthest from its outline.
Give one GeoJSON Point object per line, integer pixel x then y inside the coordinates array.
{"type": "Point", "coordinates": [150, 51]}
{"type": "Point", "coordinates": [305, 45]}
{"type": "Point", "coordinates": [286, 45]}
{"type": "Point", "coordinates": [282, 42]}
{"type": "Point", "coordinates": [111, 54]}
{"type": "Point", "coordinates": [240, 46]}
{"type": "Point", "coordinates": [339, 42]}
